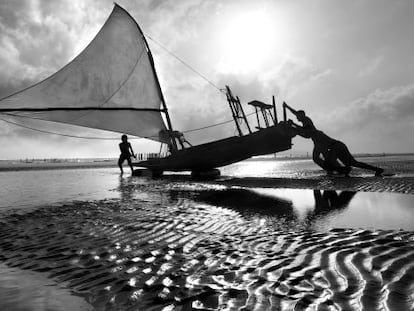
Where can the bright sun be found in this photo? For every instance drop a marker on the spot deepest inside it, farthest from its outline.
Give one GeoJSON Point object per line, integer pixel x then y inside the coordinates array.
{"type": "Point", "coordinates": [247, 42]}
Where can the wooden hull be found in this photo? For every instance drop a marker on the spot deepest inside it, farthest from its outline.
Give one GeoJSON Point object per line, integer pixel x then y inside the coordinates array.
{"type": "Point", "coordinates": [225, 151]}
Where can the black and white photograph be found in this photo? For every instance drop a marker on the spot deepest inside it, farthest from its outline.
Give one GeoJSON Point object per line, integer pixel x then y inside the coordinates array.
{"type": "Point", "coordinates": [177, 155]}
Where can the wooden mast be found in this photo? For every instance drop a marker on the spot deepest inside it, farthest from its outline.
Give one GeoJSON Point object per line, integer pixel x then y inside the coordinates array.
{"type": "Point", "coordinates": [157, 82]}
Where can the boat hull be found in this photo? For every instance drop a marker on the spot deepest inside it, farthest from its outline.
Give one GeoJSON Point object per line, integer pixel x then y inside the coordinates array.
{"type": "Point", "coordinates": [223, 152]}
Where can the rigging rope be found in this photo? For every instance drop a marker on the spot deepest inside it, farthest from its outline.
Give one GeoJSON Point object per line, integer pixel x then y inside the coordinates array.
{"type": "Point", "coordinates": [213, 125]}
{"type": "Point", "coordinates": [54, 133]}
{"type": "Point", "coordinates": [113, 138]}
{"type": "Point", "coordinates": [184, 63]}
{"type": "Point", "coordinates": [107, 138]}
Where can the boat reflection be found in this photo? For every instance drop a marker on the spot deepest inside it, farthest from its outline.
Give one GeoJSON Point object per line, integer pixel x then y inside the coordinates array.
{"type": "Point", "coordinates": [279, 208]}
{"type": "Point", "coordinates": [247, 202]}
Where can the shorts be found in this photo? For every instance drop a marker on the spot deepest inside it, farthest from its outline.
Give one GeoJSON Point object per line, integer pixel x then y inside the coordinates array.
{"type": "Point", "coordinates": [124, 157]}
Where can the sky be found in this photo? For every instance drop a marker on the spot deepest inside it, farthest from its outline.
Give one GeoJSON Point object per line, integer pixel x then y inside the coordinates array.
{"type": "Point", "coordinates": [348, 64]}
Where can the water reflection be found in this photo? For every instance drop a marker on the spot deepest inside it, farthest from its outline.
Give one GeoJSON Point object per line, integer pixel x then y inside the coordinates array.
{"type": "Point", "coordinates": [125, 187]}
{"type": "Point", "coordinates": [324, 210]}
{"type": "Point", "coordinates": [34, 188]}
{"type": "Point", "coordinates": [328, 202]}
{"type": "Point", "coordinates": [308, 209]}
{"type": "Point", "coordinates": [186, 245]}
{"type": "Point", "coordinates": [247, 201]}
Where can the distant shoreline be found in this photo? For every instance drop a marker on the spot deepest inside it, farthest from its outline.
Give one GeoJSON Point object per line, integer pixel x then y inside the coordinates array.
{"type": "Point", "coordinates": [303, 157]}
{"type": "Point", "coordinates": [7, 166]}
{"type": "Point", "coordinates": [53, 164]}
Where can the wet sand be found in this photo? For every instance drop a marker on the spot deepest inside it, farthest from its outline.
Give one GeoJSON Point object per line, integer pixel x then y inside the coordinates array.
{"type": "Point", "coordinates": [158, 250]}
{"type": "Point", "coordinates": [180, 244]}
{"type": "Point", "coordinates": [22, 290]}
{"type": "Point", "coordinates": [367, 184]}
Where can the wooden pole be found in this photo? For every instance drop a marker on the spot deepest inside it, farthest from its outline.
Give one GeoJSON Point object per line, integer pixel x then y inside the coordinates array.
{"type": "Point", "coordinates": [233, 112]}
{"type": "Point", "coordinates": [244, 116]}
{"type": "Point", "coordinates": [274, 110]}
{"type": "Point", "coordinates": [257, 117]}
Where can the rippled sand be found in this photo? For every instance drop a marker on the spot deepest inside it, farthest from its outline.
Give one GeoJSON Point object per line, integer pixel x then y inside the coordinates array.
{"type": "Point", "coordinates": [371, 184]}
{"type": "Point", "coordinates": [303, 174]}
{"type": "Point", "coordinates": [157, 250]}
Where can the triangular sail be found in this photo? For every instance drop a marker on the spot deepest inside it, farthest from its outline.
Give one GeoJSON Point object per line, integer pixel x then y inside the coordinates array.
{"type": "Point", "coordinates": [111, 85]}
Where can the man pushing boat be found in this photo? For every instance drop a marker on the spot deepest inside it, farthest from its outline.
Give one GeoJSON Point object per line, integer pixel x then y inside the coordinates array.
{"type": "Point", "coordinates": [327, 151]}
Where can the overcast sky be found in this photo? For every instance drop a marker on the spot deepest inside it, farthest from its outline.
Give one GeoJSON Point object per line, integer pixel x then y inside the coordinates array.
{"type": "Point", "coordinates": [348, 64]}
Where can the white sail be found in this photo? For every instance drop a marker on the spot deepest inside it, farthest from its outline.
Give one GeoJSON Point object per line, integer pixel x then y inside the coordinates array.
{"type": "Point", "coordinates": [111, 85]}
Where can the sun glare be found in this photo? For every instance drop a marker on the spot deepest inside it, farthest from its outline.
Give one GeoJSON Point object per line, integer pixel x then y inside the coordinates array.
{"type": "Point", "coordinates": [247, 42]}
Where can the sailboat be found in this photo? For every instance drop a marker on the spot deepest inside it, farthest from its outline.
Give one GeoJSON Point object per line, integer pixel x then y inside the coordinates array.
{"type": "Point", "coordinates": [113, 85]}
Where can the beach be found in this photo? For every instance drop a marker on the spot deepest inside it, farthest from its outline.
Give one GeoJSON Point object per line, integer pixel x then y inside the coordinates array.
{"type": "Point", "coordinates": [267, 235]}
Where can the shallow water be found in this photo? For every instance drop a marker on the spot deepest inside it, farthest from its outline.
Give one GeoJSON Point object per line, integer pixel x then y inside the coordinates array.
{"type": "Point", "coordinates": [315, 209]}
{"type": "Point", "coordinates": [22, 290]}
{"type": "Point", "coordinates": [180, 244]}
{"type": "Point", "coordinates": [32, 188]}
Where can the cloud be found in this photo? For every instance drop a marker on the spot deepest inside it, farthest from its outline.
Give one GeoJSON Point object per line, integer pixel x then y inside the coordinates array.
{"type": "Point", "coordinates": [170, 22]}
{"type": "Point", "coordinates": [391, 105]}
{"type": "Point", "coordinates": [197, 105]}
{"type": "Point", "coordinates": [372, 66]}
{"type": "Point", "coordinates": [283, 79]}
{"type": "Point", "coordinates": [383, 120]}
{"type": "Point", "coordinates": [39, 37]}
{"type": "Point", "coordinates": [294, 73]}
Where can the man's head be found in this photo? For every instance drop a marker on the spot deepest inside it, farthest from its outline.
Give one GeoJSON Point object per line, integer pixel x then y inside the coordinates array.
{"type": "Point", "coordinates": [300, 115]}
{"type": "Point", "coordinates": [124, 138]}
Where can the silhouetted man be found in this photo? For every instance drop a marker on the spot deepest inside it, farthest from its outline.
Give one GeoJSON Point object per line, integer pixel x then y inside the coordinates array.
{"type": "Point", "coordinates": [126, 153]}
{"type": "Point", "coordinates": [330, 149]}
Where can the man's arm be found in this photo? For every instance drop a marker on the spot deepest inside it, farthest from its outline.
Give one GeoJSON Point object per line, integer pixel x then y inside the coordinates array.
{"type": "Point", "coordinates": [294, 125]}
{"type": "Point", "coordinates": [289, 108]}
{"type": "Point", "coordinates": [299, 130]}
{"type": "Point", "coordinates": [132, 151]}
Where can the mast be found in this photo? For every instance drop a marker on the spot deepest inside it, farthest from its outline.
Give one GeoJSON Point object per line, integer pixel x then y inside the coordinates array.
{"type": "Point", "coordinates": [164, 105]}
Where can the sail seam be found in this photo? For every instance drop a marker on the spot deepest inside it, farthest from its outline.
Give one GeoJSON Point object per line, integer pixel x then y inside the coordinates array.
{"type": "Point", "coordinates": [69, 135]}
{"type": "Point", "coordinates": [102, 138]}
{"type": "Point", "coordinates": [120, 86]}
{"type": "Point", "coordinates": [77, 109]}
